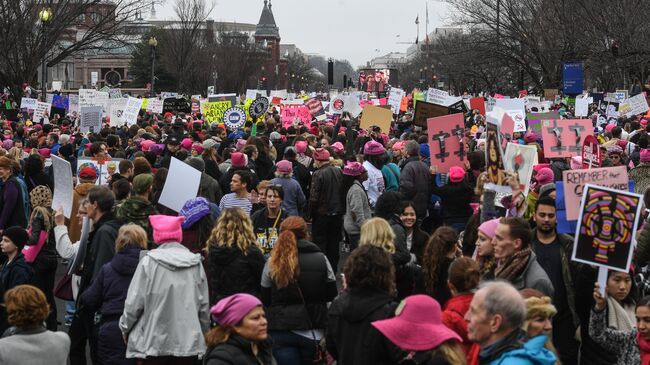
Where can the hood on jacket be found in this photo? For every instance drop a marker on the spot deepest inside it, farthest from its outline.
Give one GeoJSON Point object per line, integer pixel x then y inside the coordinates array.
{"type": "Point", "coordinates": [134, 209]}
{"type": "Point", "coordinates": [126, 261]}
{"type": "Point", "coordinates": [83, 188]}
{"type": "Point", "coordinates": [533, 351]}
{"type": "Point", "coordinates": [224, 255]}
{"type": "Point", "coordinates": [358, 304]}
{"type": "Point", "coordinates": [174, 256]}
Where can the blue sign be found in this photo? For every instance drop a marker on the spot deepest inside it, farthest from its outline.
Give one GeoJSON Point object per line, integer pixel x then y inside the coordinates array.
{"type": "Point", "coordinates": [234, 118]}
{"type": "Point", "coordinates": [572, 78]}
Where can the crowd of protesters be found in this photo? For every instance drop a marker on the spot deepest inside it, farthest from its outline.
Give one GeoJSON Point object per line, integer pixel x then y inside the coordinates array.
{"type": "Point", "coordinates": [310, 244]}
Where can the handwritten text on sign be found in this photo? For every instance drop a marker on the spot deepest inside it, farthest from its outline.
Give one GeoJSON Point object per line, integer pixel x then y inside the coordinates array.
{"type": "Point", "coordinates": [289, 113]}
{"type": "Point", "coordinates": [575, 180]}
{"type": "Point", "coordinates": [214, 110]}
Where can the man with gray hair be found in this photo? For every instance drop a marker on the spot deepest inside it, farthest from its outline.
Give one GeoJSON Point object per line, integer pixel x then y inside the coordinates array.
{"type": "Point", "coordinates": [414, 182]}
{"type": "Point", "coordinates": [494, 322]}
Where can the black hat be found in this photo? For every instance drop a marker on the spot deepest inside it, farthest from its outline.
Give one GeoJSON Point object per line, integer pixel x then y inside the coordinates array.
{"type": "Point", "coordinates": [173, 140]}
{"type": "Point", "coordinates": [17, 235]}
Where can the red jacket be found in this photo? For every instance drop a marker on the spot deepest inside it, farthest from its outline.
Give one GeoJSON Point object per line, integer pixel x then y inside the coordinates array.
{"type": "Point", "coordinates": [453, 316]}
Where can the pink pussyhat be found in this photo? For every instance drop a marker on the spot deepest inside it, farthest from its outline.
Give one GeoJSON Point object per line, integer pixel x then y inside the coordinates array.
{"type": "Point", "coordinates": [231, 310]}
{"type": "Point", "coordinates": [166, 228]}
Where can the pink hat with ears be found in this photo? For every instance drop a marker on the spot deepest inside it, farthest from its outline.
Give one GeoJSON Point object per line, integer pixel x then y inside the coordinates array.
{"type": "Point", "coordinates": [576, 162]}
{"type": "Point", "coordinates": [301, 146]}
{"type": "Point", "coordinates": [338, 148]}
{"type": "Point", "coordinates": [489, 228]}
{"type": "Point", "coordinates": [166, 228]}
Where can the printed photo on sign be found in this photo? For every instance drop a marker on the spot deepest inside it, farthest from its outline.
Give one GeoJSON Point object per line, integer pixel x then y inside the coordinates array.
{"type": "Point", "coordinates": [494, 159]}
{"type": "Point", "coordinates": [521, 159]}
{"type": "Point", "coordinates": [606, 227]}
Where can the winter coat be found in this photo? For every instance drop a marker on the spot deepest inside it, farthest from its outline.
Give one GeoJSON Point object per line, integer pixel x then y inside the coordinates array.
{"type": "Point", "coordinates": [238, 351]}
{"type": "Point", "coordinates": [264, 232]}
{"type": "Point", "coordinates": [641, 177]}
{"type": "Point", "coordinates": [40, 178]}
{"type": "Point", "coordinates": [12, 274]}
{"type": "Point", "coordinates": [209, 188]}
{"type": "Point", "coordinates": [294, 198]}
{"type": "Point", "coordinates": [357, 209]}
{"type": "Point", "coordinates": [455, 200]}
{"type": "Point", "coordinates": [137, 210]}
{"type": "Point", "coordinates": [419, 242]}
{"type": "Point", "coordinates": [351, 339]}
{"type": "Point", "coordinates": [264, 167]}
{"type": "Point", "coordinates": [168, 295]}
{"type": "Point", "coordinates": [391, 174]}
{"type": "Point", "coordinates": [642, 253]}
{"type": "Point", "coordinates": [301, 305]}
{"type": "Point", "coordinates": [533, 276]}
{"type": "Point", "coordinates": [302, 175]}
{"type": "Point", "coordinates": [621, 343]}
{"type": "Point", "coordinates": [231, 271]}
{"type": "Point", "coordinates": [325, 191]}
{"type": "Point", "coordinates": [107, 295]}
{"type": "Point", "coordinates": [453, 316]}
{"type": "Point", "coordinates": [100, 249]}
{"type": "Point", "coordinates": [12, 205]}
{"type": "Point", "coordinates": [532, 353]}
{"type": "Point", "coordinates": [78, 194]}
{"type": "Point", "coordinates": [415, 184]}
{"type": "Point", "coordinates": [35, 347]}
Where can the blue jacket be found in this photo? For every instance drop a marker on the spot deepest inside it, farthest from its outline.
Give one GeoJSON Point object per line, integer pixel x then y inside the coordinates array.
{"type": "Point", "coordinates": [532, 353]}
{"type": "Point", "coordinates": [108, 291]}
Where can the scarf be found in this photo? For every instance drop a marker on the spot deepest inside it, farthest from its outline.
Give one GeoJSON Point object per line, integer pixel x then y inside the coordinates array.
{"type": "Point", "coordinates": [644, 348]}
{"type": "Point", "coordinates": [41, 200]}
{"type": "Point", "coordinates": [618, 317]}
{"type": "Point", "coordinates": [510, 268]}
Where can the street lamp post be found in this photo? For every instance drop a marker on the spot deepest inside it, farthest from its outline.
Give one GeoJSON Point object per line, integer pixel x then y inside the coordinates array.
{"type": "Point", "coordinates": [153, 43]}
{"type": "Point", "coordinates": [45, 15]}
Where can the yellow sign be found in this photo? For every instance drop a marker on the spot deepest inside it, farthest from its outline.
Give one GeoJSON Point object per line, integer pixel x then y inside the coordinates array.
{"type": "Point", "coordinates": [213, 110]}
{"type": "Point", "coordinates": [144, 103]}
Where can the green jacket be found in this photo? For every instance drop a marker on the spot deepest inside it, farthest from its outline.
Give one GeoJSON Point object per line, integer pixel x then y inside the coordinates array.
{"type": "Point", "coordinates": [137, 210]}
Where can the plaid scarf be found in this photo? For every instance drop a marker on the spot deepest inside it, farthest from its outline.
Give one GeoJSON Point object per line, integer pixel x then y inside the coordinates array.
{"type": "Point", "coordinates": [510, 268]}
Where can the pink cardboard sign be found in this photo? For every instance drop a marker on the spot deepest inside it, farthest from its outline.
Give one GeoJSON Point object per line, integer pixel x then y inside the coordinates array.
{"type": "Point", "coordinates": [564, 138]}
{"type": "Point", "coordinates": [289, 113]}
{"type": "Point", "coordinates": [575, 180]}
{"type": "Point", "coordinates": [506, 130]}
{"type": "Point", "coordinates": [446, 141]}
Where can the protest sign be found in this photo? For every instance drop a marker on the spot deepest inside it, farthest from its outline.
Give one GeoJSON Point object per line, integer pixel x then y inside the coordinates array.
{"type": "Point", "coordinates": [101, 98]}
{"type": "Point", "coordinates": [234, 118]}
{"type": "Point", "coordinates": [374, 115]}
{"type": "Point", "coordinates": [582, 107]}
{"type": "Point", "coordinates": [276, 100]}
{"type": "Point", "coordinates": [591, 156]}
{"type": "Point", "coordinates": [91, 118]}
{"type": "Point", "coordinates": [59, 101]}
{"type": "Point", "coordinates": [105, 168]}
{"type": "Point", "coordinates": [494, 160]}
{"type": "Point", "coordinates": [575, 180]}
{"type": "Point", "coordinates": [73, 103]}
{"type": "Point", "coordinates": [404, 105]}
{"type": "Point", "coordinates": [506, 130]}
{"type": "Point", "coordinates": [291, 113]}
{"type": "Point", "coordinates": [40, 110]}
{"type": "Point", "coordinates": [478, 103]}
{"type": "Point", "coordinates": [512, 105]}
{"type": "Point", "coordinates": [606, 227]}
{"type": "Point", "coordinates": [28, 103]}
{"type": "Point", "coordinates": [145, 102]}
{"type": "Point", "coordinates": [436, 96]}
{"type": "Point", "coordinates": [282, 94]}
{"type": "Point", "coordinates": [633, 106]}
{"type": "Point", "coordinates": [62, 197]}
{"type": "Point", "coordinates": [425, 110]}
{"type": "Point", "coordinates": [564, 138]}
{"type": "Point", "coordinates": [131, 110]}
{"type": "Point", "coordinates": [258, 107]}
{"type": "Point", "coordinates": [518, 120]}
{"type": "Point", "coordinates": [116, 111]}
{"type": "Point", "coordinates": [176, 105]}
{"type": "Point", "coordinates": [315, 108]}
{"type": "Point", "coordinates": [251, 94]}
{"type": "Point", "coordinates": [167, 94]}
{"type": "Point", "coordinates": [535, 121]}
{"type": "Point", "coordinates": [213, 111]}
{"type": "Point", "coordinates": [115, 93]}
{"type": "Point", "coordinates": [155, 105]}
{"type": "Point", "coordinates": [395, 99]}
{"type": "Point", "coordinates": [521, 159]}
{"type": "Point", "coordinates": [446, 141]}
{"type": "Point", "coordinates": [182, 184]}
{"type": "Point", "coordinates": [86, 97]}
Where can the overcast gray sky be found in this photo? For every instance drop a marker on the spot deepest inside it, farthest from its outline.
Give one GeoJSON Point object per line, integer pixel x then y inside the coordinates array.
{"type": "Point", "coordinates": [343, 29]}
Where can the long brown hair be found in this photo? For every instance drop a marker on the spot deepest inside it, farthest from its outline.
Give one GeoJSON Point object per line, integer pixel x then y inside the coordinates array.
{"type": "Point", "coordinates": [443, 241]}
{"type": "Point", "coordinates": [283, 263]}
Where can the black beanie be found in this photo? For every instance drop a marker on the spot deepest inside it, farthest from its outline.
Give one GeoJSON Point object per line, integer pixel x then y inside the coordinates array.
{"type": "Point", "coordinates": [17, 235]}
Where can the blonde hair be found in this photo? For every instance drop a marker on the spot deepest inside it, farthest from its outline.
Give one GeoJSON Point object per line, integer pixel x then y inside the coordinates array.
{"type": "Point", "coordinates": [131, 234]}
{"type": "Point", "coordinates": [377, 232]}
{"type": "Point", "coordinates": [451, 351]}
{"type": "Point", "coordinates": [15, 153]}
{"type": "Point", "coordinates": [234, 227]}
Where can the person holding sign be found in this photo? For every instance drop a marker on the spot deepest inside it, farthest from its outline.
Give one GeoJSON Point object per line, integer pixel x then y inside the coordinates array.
{"type": "Point", "coordinates": [630, 346]}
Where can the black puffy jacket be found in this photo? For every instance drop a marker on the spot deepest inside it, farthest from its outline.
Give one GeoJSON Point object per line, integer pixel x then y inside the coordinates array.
{"type": "Point", "coordinates": [230, 271]}
{"type": "Point", "coordinates": [238, 351]}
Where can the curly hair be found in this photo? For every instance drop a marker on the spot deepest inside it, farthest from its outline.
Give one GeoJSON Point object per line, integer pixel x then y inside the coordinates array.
{"type": "Point", "coordinates": [442, 242]}
{"type": "Point", "coordinates": [370, 267]}
{"type": "Point", "coordinates": [377, 232]}
{"type": "Point", "coordinates": [388, 204]}
{"type": "Point", "coordinates": [234, 227]}
{"type": "Point", "coordinates": [283, 263]}
{"type": "Point", "coordinates": [26, 306]}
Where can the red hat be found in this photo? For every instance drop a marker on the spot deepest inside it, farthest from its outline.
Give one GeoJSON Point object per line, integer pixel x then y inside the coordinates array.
{"type": "Point", "coordinates": [456, 174]}
{"type": "Point", "coordinates": [544, 176]}
{"type": "Point", "coordinates": [44, 152]}
{"type": "Point", "coordinates": [168, 114]}
{"type": "Point", "coordinates": [197, 147]}
{"type": "Point", "coordinates": [373, 148]}
{"type": "Point", "coordinates": [238, 159]}
{"type": "Point", "coordinates": [321, 154]}
{"type": "Point", "coordinates": [88, 173]}
{"type": "Point", "coordinates": [609, 127]}
{"type": "Point", "coordinates": [338, 148]}
{"type": "Point", "coordinates": [353, 169]}
{"type": "Point", "coordinates": [301, 146]}
{"type": "Point", "coordinates": [284, 167]}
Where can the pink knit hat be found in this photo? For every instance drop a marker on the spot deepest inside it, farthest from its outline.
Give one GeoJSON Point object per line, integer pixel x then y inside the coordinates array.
{"type": "Point", "coordinates": [229, 311]}
{"type": "Point", "coordinates": [241, 143]}
{"type": "Point", "coordinates": [544, 176]}
{"type": "Point", "coordinates": [301, 146]}
{"type": "Point", "coordinates": [609, 127]}
{"type": "Point", "coordinates": [456, 174]}
{"type": "Point", "coordinates": [238, 159]}
{"type": "Point", "coordinates": [284, 167]}
{"type": "Point", "coordinates": [186, 144]}
{"type": "Point", "coordinates": [530, 137]}
{"type": "Point", "coordinates": [44, 152]}
{"type": "Point", "coordinates": [146, 144]}
{"type": "Point", "coordinates": [373, 148]}
{"type": "Point", "coordinates": [321, 154]}
{"type": "Point", "coordinates": [489, 228]}
{"type": "Point", "coordinates": [417, 325]}
{"type": "Point", "coordinates": [576, 162]}
{"type": "Point", "coordinates": [338, 148]}
{"type": "Point", "coordinates": [166, 228]}
{"type": "Point", "coordinates": [353, 169]}
{"type": "Point", "coordinates": [645, 155]}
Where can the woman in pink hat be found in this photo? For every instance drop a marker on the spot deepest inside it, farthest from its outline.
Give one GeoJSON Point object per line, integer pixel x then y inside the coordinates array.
{"type": "Point", "coordinates": [357, 209]}
{"type": "Point", "coordinates": [417, 330]}
{"type": "Point", "coordinates": [484, 253]}
{"type": "Point", "coordinates": [240, 336]}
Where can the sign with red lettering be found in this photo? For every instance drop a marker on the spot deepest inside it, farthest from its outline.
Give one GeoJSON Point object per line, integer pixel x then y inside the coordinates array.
{"type": "Point", "coordinates": [591, 153]}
